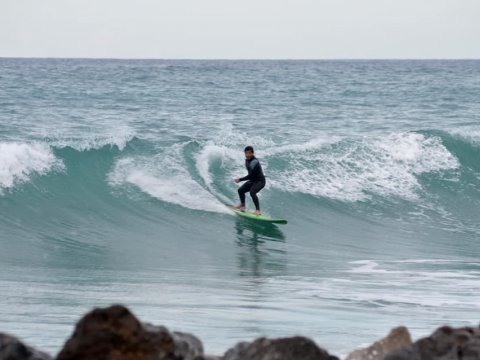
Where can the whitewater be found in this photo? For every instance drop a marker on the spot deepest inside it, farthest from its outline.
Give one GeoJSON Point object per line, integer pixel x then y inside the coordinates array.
{"type": "Point", "coordinates": [114, 175]}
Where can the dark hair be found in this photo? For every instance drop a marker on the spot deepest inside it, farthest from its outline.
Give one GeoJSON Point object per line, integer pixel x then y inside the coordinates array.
{"type": "Point", "coordinates": [248, 148]}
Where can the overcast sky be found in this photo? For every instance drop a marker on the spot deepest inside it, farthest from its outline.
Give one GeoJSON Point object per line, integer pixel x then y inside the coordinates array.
{"type": "Point", "coordinates": [241, 29]}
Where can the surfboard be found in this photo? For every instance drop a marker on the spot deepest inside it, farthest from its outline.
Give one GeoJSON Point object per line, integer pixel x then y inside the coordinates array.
{"type": "Point", "coordinates": [252, 216]}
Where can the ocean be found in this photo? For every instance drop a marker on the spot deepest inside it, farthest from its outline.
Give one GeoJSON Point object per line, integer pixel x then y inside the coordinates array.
{"type": "Point", "coordinates": [114, 175]}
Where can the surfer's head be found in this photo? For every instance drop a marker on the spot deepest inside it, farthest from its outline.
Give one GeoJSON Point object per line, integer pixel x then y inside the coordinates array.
{"type": "Point", "coordinates": [248, 152]}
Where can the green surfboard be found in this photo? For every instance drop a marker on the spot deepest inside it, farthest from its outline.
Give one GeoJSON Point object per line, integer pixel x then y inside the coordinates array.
{"type": "Point", "coordinates": [262, 218]}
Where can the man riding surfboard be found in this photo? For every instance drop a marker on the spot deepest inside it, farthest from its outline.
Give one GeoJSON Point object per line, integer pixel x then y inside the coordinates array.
{"type": "Point", "coordinates": [255, 180]}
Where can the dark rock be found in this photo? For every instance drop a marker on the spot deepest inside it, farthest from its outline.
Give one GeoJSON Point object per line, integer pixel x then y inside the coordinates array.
{"type": "Point", "coordinates": [278, 349]}
{"type": "Point", "coordinates": [187, 346]}
{"type": "Point", "coordinates": [114, 333]}
{"type": "Point", "coordinates": [403, 354]}
{"type": "Point", "coordinates": [397, 338]}
{"type": "Point", "coordinates": [13, 349]}
{"type": "Point", "coordinates": [445, 343]}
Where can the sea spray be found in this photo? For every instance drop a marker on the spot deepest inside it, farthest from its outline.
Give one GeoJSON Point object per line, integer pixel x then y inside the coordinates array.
{"type": "Point", "coordinates": [19, 161]}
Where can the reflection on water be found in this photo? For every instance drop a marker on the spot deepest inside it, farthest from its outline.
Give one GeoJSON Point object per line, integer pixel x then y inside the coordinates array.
{"type": "Point", "coordinates": [258, 231]}
{"type": "Point", "coordinates": [261, 249]}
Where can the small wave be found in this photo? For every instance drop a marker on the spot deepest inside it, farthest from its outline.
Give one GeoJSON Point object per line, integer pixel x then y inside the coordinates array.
{"type": "Point", "coordinates": [228, 135]}
{"type": "Point", "coordinates": [399, 276]}
{"type": "Point", "coordinates": [314, 144]}
{"type": "Point", "coordinates": [19, 161]}
{"type": "Point", "coordinates": [118, 137]}
{"type": "Point", "coordinates": [369, 267]}
{"type": "Point", "coordinates": [394, 286]}
{"type": "Point", "coordinates": [471, 134]}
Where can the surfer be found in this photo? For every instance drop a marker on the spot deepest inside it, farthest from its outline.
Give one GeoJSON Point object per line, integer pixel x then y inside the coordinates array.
{"type": "Point", "coordinates": [255, 180]}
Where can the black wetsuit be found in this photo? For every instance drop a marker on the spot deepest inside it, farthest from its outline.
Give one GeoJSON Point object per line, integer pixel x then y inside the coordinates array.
{"type": "Point", "coordinates": [255, 183]}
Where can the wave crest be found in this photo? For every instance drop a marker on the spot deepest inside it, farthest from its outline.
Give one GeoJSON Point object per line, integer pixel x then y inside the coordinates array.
{"type": "Point", "coordinates": [353, 170]}
{"type": "Point", "coordinates": [166, 178]}
{"type": "Point", "coordinates": [18, 161]}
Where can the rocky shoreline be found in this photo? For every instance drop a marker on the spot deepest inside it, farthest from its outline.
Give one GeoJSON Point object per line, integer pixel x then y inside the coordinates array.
{"type": "Point", "coordinates": [114, 333]}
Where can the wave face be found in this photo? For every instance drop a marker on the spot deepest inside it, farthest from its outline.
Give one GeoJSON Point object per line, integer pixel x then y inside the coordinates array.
{"type": "Point", "coordinates": [114, 177]}
{"type": "Point", "coordinates": [392, 175]}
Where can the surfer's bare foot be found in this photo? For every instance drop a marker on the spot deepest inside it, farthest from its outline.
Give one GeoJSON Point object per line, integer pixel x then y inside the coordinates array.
{"type": "Point", "coordinates": [257, 212]}
{"type": "Point", "coordinates": [239, 207]}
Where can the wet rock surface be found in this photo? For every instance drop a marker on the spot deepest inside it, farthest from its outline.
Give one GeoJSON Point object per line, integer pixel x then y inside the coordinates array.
{"type": "Point", "coordinates": [397, 338]}
{"type": "Point", "coordinates": [285, 348]}
{"type": "Point", "coordinates": [115, 333]}
{"type": "Point", "coordinates": [445, 343]}
{"type": "Point", "coordinates": [12, 348]}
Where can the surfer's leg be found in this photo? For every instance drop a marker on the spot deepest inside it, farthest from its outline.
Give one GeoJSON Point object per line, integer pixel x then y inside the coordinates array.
{"type": "Point", "coordinates": [255, 200]}
{"type": "Point", "coordinates": [255, 188]}
{"type": "Point", "coordinates": [241, 193]}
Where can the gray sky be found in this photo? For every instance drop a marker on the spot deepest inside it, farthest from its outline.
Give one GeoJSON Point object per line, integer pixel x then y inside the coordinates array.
{"type": "Point", "coordinates": [241, 29]}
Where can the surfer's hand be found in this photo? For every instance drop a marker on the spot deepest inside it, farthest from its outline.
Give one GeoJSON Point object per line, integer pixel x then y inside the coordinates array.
{"type": "Point", "coordinates": [237, 180]}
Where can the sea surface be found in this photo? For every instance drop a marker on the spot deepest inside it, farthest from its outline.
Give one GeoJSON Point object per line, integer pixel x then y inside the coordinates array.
{"type": "Point", "coordinates": [114, 175]}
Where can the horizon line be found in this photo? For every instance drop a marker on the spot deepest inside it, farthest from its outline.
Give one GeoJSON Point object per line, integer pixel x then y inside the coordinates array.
{"type": "Point", "coordinates": [236, 59]}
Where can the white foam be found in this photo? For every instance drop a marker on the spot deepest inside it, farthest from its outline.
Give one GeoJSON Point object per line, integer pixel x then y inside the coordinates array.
{"type": "Point", "coordinates": [353, 170]}
{"type": "Point", "coordinates": [229, 136]}
{"type": "Point", "coordinates": [176, 190]}
{"type": "Point", "coordinates": [470, 133]}
{"type": "Point", "coordinates": [165, 177]}
{"type": "Point", "coordinates": [430, 261]}
{"type": "Point", "coordinates": [211, 152]}
{"type": "Point", "coordinates": [370, 267]}
{"type": "Point", "coordinates": [314, 144]}
{"type": "Point", "coordinates": [18, 161]}
{"type": "Point", "coordinates": [227, 147]}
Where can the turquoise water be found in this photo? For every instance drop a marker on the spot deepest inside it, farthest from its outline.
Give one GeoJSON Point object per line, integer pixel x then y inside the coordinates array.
{"type": "Point", "coordinates": [113, 175]}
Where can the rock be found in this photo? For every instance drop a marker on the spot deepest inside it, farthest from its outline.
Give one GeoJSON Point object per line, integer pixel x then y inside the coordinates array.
{"type": "Point", "coordinates": [187, 346]}
{"type": "Point", "coordinates": [402, 354]}
{"type": "Point", "coordinates": [445, 343]}
{"type": "Point", "coordinates": [278, 349]}
{"type": "Point", "coordinates": [114, 333]}
{"type": "Point", "coordinates": [397, 338]}
{"type": "Point", "coordinates": [13, 349]}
